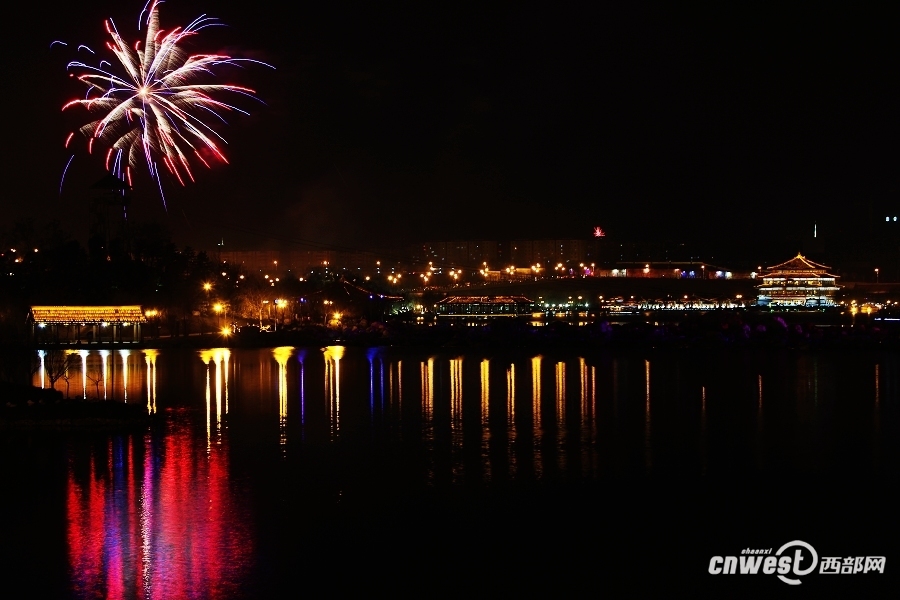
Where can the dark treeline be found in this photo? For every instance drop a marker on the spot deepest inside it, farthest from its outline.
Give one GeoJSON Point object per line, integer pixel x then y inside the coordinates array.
{"type": "Point", "coordinates": [45, 265]}
{"type": "Point", "coordinates": [184, 289]}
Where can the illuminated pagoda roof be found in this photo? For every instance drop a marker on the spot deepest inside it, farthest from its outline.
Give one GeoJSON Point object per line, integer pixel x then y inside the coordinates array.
{"type": "Point", "coordinates": [800, 266]}
{"type": "Point", "coordinates": [87, 314]}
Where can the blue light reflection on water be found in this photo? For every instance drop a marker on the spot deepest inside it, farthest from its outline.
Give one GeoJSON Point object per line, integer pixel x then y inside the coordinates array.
{"type": "Point", "coordinates": [358, 429]}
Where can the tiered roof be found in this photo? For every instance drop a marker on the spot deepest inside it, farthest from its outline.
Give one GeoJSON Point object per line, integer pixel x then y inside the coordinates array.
{"type": "Point", "coordinates": [802, 266]}
{"type": "Point", "coordinates": [87, 314]}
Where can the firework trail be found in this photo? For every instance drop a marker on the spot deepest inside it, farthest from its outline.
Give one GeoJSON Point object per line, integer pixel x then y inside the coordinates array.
{"type": "Point", "coordinates": [157, 106]}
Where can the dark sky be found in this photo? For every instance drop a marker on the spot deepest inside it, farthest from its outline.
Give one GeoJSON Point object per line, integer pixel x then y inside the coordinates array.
{"type": "Point", "coordinates": [386, 123]}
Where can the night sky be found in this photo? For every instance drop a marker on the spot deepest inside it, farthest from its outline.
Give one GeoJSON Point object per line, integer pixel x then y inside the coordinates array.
{"type": "Point", "coordinates": [390, 123]}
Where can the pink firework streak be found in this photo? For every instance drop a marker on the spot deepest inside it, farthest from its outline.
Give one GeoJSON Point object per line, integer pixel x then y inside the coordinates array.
{"type": "Point", "coordinates": [159, 111]}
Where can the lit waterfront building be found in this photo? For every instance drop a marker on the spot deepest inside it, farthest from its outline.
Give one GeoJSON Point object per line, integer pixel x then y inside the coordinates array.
{"type": "Point", "coordinates": [484, 306]}
{"type": "Point", "coordinates": [53, 325]}
{"type": "Point", "coordinates": [798, 282]}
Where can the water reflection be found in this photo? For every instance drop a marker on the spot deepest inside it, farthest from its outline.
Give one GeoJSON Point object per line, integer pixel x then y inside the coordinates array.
{"type": "Point", "coordinates": [476, 411]}
{"type": "Point", "coordinates": [216, 391]}
{"type": "Point", "coordinates": [333, 355]}
{"type": "Point", "coordinates": [84, 354]}
{"type": "Point", "coordinates": [475, 414]}
{"type": "Point", "coordinates": [427, 378]}
{"type": "Point", "coordinates": [301, 360]}
{"type": "Point", "coordinates": [104, 372]}
{"type": "Point", "coordinates": [536, 414]}
{"type": "Point", "coordinates": [282, 354]}
{"type": "Point", "coordinates": [703, 434]}
{"type": "Point", "coordinates": [99, 374]}
{"type": "Point", "coordinates": [483, 414]}
{"type": "Point", "coordinates": [125, 354]}
{"type": "Point", "coordinates": [561, 393]}
{"type": "Point", "coordinates": [456, 391]}
{"type": "Point", "coordinates": [648, 449]}
{"type": "Point", "coordinates": [155, 517]}
{"type": "Point", "coordinates": [150, 360]}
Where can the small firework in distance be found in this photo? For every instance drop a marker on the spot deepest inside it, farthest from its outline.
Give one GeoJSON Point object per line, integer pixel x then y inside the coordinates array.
{"type": "Point", "coordinates": [160, 103]}
{"type": "Point", "coordinates": [599, 232]}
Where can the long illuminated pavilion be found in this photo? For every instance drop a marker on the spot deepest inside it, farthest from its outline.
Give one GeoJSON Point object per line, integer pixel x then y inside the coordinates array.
{"type": "Point", "coordinates": [86, 324]}
{"type": "Point", "coordinates": [798, 282]}
{"type": "Point", "coordinates": [484, 306]}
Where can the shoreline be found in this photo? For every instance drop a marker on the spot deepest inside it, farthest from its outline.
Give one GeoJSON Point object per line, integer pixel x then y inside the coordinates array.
{"type": "Point", "coordinates": [659, 329]}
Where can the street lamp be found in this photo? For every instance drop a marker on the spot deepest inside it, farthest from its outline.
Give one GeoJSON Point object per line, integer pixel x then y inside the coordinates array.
{"type": "Point", "coordinates": [218, 308]}
{"type": "Point", "coordinates": [206, 287]}
{"type": "Point", "coordinates": [278, 302]}
{"type": "Point", "coordinates": [876, 275]}
{"type": "Point", "coordinates": [152, 313]}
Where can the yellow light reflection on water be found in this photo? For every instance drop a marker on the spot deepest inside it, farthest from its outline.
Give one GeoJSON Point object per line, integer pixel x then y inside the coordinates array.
{"type": "Point", "coordinates": [536, 412]}
{"type": "Point", "coordinates": [647, 445]}
{"type": "Point", "coordinates": [561, 392]}
{"type": "Point", "coordinates": [511, 417]}
{"type": "Point", "coordinates": [95, 371]}
{"type": "Point", "coordinates": [219, 358]}
{"type": "Point", "coordinates": [83, 354]}
{"type": "Point", "coordinates": [586, 405]}
{"type": "Point", "coordinates": [456, 383]}
{"type": "Point", "coordinates": [485, 407]}
{"type": "Point", "coordinates": [427, 378]}
{"type": "Point", "coordinates": [42, 371]}
{"type": "Point", "coordinates": [399, 384]}
{"type": "Point", "coordinates": [104, 371]}
{"type": "Point", "coordinates": [511, 395]}
{"type": "Point", "coordinates": [150, 356]}
{"type": "Point", "coordinates": [585, 383]}
{"type": "Point", "coordinates": [124, 354]}
{"type": "Point", "coordinates": [282, 354]}
{"type": "Point", "coordinates": [485, 390]}
{"type": "Point", "coordinates": [333, 355]}
{"type": "Point", "coordinates": [536, 392]}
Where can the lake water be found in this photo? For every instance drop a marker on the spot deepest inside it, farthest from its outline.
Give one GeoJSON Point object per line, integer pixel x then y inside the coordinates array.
{"type": "Point", "coordinates": [295, 468]}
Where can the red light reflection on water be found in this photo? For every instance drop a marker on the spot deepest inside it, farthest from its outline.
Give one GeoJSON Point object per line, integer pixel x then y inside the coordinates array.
{"type": "Point", "coordinates": [156, 517]}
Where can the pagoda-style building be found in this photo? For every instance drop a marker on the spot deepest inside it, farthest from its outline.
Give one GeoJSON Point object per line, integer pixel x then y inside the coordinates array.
{"type": "Point", "coordinates": [798, 282]}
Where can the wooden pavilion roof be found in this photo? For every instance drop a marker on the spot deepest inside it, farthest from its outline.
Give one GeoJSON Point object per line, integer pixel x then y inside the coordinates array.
{"type": "Point", "coordinates": [87, 314]}
{"type": "Point", "coordinates": [799, 265]}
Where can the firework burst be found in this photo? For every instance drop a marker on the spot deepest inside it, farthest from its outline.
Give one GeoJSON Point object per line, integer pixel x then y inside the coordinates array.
{"type": "Point", "coordinates": [159, 108]}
